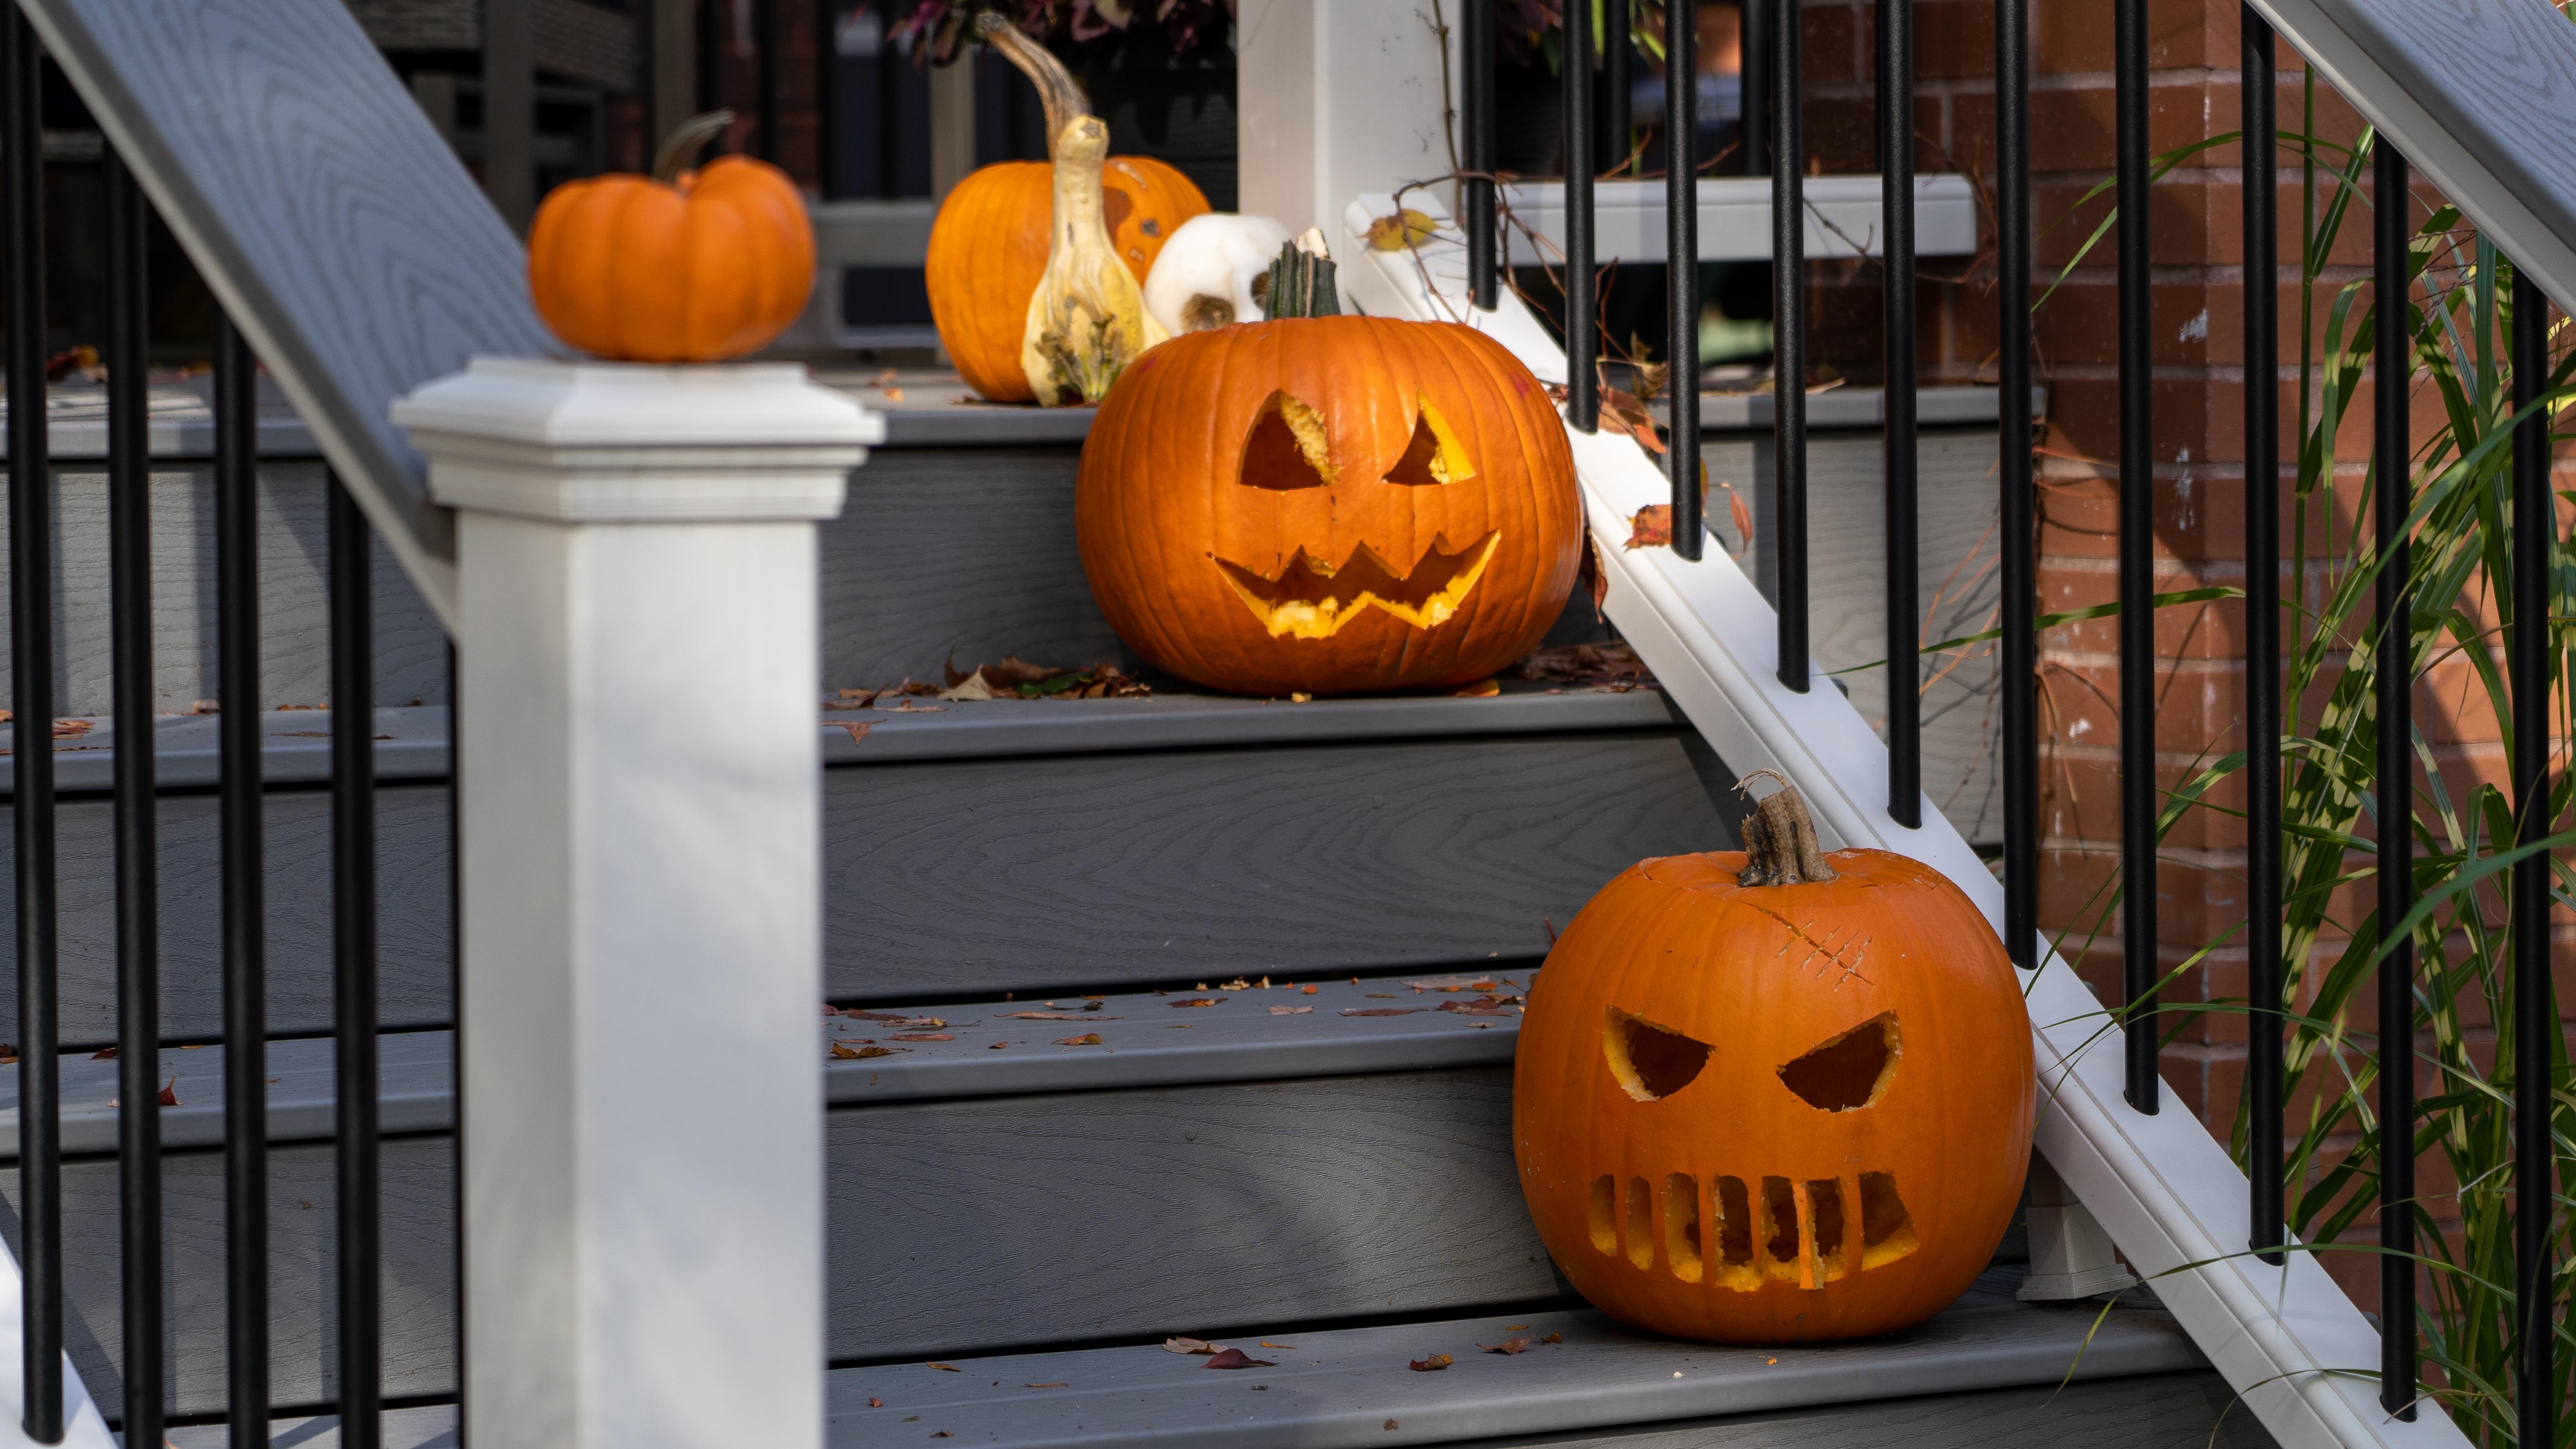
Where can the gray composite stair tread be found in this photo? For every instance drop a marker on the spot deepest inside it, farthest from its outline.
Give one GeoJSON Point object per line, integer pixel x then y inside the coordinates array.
{"type": "Point", "coordinates": [1145, 1041]}
{"type": "Point", "coordinates": [411, 742]}
{"type": "Point", "coordinates": [431, 1426]}
{"type": "Point", "coordinates": [1354, 1386]}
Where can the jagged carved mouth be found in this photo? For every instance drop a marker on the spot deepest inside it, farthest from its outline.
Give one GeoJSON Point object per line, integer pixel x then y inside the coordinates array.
{"type": "Point", "coordinates": [1313, 599]}
{"type": "Point", "coordinates": [1767, 1229]}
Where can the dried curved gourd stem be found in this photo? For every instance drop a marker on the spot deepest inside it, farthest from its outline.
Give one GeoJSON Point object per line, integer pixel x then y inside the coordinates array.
{"type": "Point", "coordinates": [1057, 91]}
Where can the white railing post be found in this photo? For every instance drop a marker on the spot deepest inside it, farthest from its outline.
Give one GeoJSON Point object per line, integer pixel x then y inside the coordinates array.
{"type": "Point", "coordinates": [642, 1109]}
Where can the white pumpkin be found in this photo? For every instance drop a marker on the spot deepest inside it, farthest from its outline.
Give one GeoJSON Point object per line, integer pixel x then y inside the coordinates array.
{"type": "Point", "coordinates": [1205, 274]}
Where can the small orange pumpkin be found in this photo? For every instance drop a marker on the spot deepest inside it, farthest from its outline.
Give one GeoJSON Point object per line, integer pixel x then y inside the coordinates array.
{"type": "Point", "coordinates": [1774, 1095]}
{"type": "Point", "coordinates": [989, 242]}
{"type": "Point", "coordinates": [679, 266]}
{"type": "Point", "coordinates": [1328, 504]}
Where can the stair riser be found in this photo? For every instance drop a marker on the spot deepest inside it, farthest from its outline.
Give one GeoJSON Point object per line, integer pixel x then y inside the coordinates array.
{"type": "Point", "coordinates": [985, 876]}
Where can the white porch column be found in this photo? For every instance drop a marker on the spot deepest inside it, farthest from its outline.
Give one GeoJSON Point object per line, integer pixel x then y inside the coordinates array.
{"type": "Point", "coordinates": [1337, 97]}
{"type": "Point", "coordinates": [641, 1090]}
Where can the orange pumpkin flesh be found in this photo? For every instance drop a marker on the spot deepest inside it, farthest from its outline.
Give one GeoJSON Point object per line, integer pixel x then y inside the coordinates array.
{"type": "Point", "coordinates": [988, 247]}
{"type": "Point", "coordinates": [1328, 505]}
{"type": "Point", "coordinates": [1774, 1113]}
{"type": "Point", "coordinates": [712, 265]}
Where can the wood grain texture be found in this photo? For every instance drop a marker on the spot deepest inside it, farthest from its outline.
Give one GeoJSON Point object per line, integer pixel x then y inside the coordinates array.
{"type": "Point", "coordinates": [412, 901]}
{"type": "Point", "coordinates": [2149, 1411]}
{"type": "Point", "coordinates": [332, 222]}
{"type": "Point", "coordinates": [995, 1224]}
{"type": "Point", "coordinates": [418, 1276]}
{"type": "Point", "coordinates": [1041, 875]}
{"type": "Point", "coordinates": [294, 579]}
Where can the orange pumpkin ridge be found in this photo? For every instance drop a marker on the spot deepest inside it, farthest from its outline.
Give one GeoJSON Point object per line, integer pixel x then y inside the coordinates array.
{"type": "Point", "coordinates": [1774, 1112]}
{"type": "Point", "coordinates": [673, 267]}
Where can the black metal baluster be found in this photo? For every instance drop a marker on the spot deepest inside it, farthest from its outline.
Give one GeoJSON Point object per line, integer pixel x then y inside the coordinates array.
{"type": "Point", "coordinates": [2535, 1022]}
{"type": "Point", "coordinates": [1617, 57]}
{"type": "Point", "coordinates": [764, 64]}
{"type": "Point", "coordinates": [1582, 313]}
{"type": "Point", "coordinates": [2017, 507]}
{"type": "Point", "coordinates": [138, 907]}
{"type": "Point", "coordinates": [1476, 41]}
{"type": "Point", "coordinates": [1788, 343]}
{"type": "Point", "coordinates": [244, 911]}
{"type": "Point", "coordinates": [827, 99]}
{"type": "Point", "coordinates": [1904, 598]}
{"type": "Point", "coordinates": [1753, 46]}
{"type": "Point", "coordinates": [353, 917]}
{"type": "Point", "coordinates": [2394, 357]}
{"type": "Point", "coordinates": [31, 644]}
{"type": "Point", "coordinates": [2262, 639]}
{"type": "Point", "coordinates": [2137, 569]}
{"type": "Point", "coordinates": [1681, 255]}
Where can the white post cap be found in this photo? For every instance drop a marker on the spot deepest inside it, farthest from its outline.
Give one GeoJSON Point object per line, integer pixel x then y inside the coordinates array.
{"type": "Point", "coordinates": [622, 442]}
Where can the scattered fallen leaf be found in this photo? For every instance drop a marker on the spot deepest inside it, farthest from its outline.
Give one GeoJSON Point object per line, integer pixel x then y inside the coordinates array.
{"type": "Point", "coordinates": [922, 1036]}
{"type": "Point", "coordinates": [107, 1054]}
{"type": "Point", "coordinates": [1652, 527]}
{"type": "Point", "coordinates": [948, 1368]}
{"type": "Point", "coordinates": [893, 394]}
{"type": "Point", "coordinates": [1197, 1001]}
{"type": "Point", "coordinates": [1553, 1338]}
{"type": "Point", "coordinates": [1482, 1006]}
{"type": "Point", "coordinates": [1088, 1038]}
{"type": "Point", "coordinates": [1405, 231]}
{"type": "Point", "coordinates": [1612, 664]}
{"type": "Point", "coordinates": [924, 1023]}
{"type": "Point", "coordinates": [997, 1046]}
{"type": "Point", "coordinates": [1380, 1010]}
{"type": "Point", "coordinates": [170, 1093]}
{"type": "Point", "coordinates": [1190, 1345]}
{"type": "Point", "coordinates": [1307, 990]}
{"type": "Point", "coordinates": [848, 1053]}
{"type": "Point", "coordinates": [858, 728]}
{"type": "Point", "coordinates": [860, 698]}
{"type": "Point", "coordinates": [1390, 1424]}
{"type": "Point", "coordinates": [1622, 412]}
{"type": "Point", "coordinates": [1266, 1343]}
{"type": "Point", "coordinates": [908, 707]}
{"type": "Point", "coordinates": [885, 378]}
{"type": "Point", "coordinates": [1058, 1016]}
{"type": "Point", "coordinates": [1237, 984]}
{"type": "Point", "coordinates": [1514, 1327]}
{"type": "Point", "coordinates": [1768, 1361]}
{"type": "Point", "coordinates": [875, 1403]}
{"type": "Point", "coordinates": [1235, 1358]}
{"type": "Point", "coordinates": [1485, 688]}
{"type": "Point", "coordinates": [1507, 1346]}
{"type": "Point", "coordinates": [1433, 1364]}
{"type": "Point", "coordinates": [1290, 1010]}
{"type": "Point", "coordinates": [1742, 515]}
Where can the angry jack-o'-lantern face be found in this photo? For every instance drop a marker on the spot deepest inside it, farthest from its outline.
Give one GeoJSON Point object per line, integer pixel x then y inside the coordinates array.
{"type": "Point", "coordinates": [1768, 1113]}
{"type": "Point", "coordinates": [1328, 505]}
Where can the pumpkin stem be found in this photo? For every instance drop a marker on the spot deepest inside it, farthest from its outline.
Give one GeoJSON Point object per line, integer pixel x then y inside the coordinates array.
{"type": "Point", "coordinates": [1301, 281]}
{"type": "Point", "coordinates": [1780, 838]}
{"type": "Point", "coordinates": [684, 143]}
{"type": "Point", "coordinates": [1062, 98]}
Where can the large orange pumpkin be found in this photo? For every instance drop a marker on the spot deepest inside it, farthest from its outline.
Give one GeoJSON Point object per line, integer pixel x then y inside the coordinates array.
{"type": "Point", "coordinates": [680, 266]}
{"type": "Point", "coordinates": [1328, 505]}
{"type": "Point", "coordinates": [1762, 1112]}
{"type": "Point", "coordinates": [988, 244]}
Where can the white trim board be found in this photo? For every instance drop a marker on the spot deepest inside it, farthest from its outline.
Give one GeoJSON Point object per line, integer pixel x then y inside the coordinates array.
{"type": "Point", "coordinates": [1735, 218]}
{"type": "Point", "coordinates": [2285, 1338]}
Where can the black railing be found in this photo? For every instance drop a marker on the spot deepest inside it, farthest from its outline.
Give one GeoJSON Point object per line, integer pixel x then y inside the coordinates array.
{"type": "Point", "coordinates": [1772, 142]}
{"type": "Point", "coordinates": [141, 1410]}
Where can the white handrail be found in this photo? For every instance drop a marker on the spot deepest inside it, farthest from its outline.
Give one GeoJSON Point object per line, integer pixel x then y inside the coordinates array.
{"type": "Point", "coordinates": [2303, 1358]}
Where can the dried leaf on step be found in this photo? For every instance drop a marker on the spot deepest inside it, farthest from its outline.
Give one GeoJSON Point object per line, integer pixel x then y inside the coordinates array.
{"type": "Point", "coordinates": [1485, 688]}
{"type": "Point", "coordinates": [105, 1054]}
{"type": "Point", "coordinates": [1380, 1010]}
{"type": "Point", "coordinates": [922, 1036]}
{"type": "Point", "coordinates": [875, 1402]}
{"type": "Point", "coordinates": [1198, 1001]}
{"type": "Point", "coordinates": [170, 1093]}
{"type": "Point", "coordinates": [858, 728]}
{"type": "Point", "coordinates": [848, 1053]}
{"type": "Point", "coordinates": [1596, 583]}
{"type": "Point", "coordinates": [1652, 527]}
{"type": "Point", "coordinates": [1405, 231]}
{"type": "Point", "coordinates": [948, 1368]}
{"type": "Point", "coordinates": [1235, 1358]}
{"type": "Point", "coordinates": [1433, 1364]}
{"type": "Point", "coordinates": [875, 1015]}
{"type": "Point", "coordinates": [1290, 1010]}
{"type": "Point", "coordinates": [1191, 1345]}
{"type": "Point", "coordinates": [1742, 515]}
{"type": "Point", "coordinates": [859, 698]}
{"type": "Point", "coordinates": [1088, 1038]}
{"type": "Point", "coordinates": [1507, 1346]}
{"type": "Point", "coordinates": [1613, 664]}
{"type": "Point", "coordinates": [1266, 1343]}
{"type": "Point", "coordinates": [1621, 412]}
{"type": "Point", "coordinates": [1560, 1338]}
{"type": "Point", "coordinates": [1055, 1016]}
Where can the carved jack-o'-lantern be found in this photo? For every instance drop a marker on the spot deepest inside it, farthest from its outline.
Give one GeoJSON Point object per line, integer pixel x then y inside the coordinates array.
{"type": "Point", "coordinates": [1773, 1095]}
{"type": "Point", "coordinates": [1328, 505]}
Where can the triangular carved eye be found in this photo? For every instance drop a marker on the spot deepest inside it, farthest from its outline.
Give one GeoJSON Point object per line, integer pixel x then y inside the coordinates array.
{"type": "Point", "coordinates": [1285, 448]}
{"type": "Point", "coordinates": [1650, 1061]}
{"type": "Point", "coordinates": [1849, 1071]}
{"type": "Point", "coordinates": [1434, 456]}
